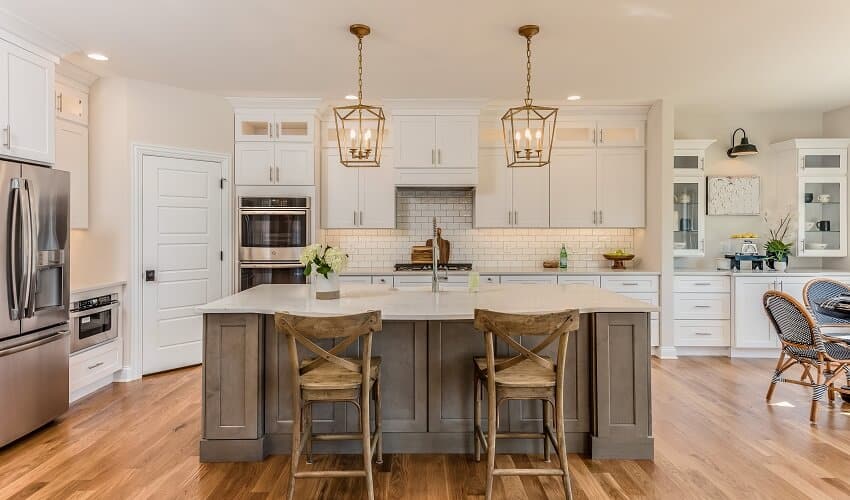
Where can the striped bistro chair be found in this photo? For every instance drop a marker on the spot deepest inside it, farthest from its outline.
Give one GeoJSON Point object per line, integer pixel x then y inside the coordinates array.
{"type": "Point", "coordinates": [816, 291]}
{"type": "Point", "coordinates": [803, 344]}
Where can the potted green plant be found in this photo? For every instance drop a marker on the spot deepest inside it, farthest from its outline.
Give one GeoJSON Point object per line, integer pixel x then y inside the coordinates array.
{"type": "Point", "coordinates": [325, 262]}
{"type": "Point", "coordinates": [775, 248]}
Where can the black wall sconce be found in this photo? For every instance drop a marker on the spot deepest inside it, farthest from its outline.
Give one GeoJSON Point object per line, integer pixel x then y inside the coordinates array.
{"type": "Point", "coordinates": [743, 149]}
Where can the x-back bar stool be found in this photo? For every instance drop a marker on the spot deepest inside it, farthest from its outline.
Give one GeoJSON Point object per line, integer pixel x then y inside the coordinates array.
{"type": "Point", "coordinates": [331, 378]}
{"type": "Point", "coordinates": [526, 375]}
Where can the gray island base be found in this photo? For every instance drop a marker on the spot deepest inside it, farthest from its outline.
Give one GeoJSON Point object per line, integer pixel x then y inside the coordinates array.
{"type": "Point", "coordinates": [427, 346]}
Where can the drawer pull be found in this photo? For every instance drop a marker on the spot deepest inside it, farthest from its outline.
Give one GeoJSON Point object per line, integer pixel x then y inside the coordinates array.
{"type": "Point", "coordinates": [699, 306]}
{"type": "Point", "coordinates": [704, 334]}
{"type": "Point", "coordinates": [702, 283]}
{"type": "Point", "coordinates": [630, 283]}
{"type": "Point", "coordinates": [96, 365]}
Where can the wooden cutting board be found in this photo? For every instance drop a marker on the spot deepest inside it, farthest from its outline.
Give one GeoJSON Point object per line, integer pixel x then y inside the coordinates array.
{"type": "Point", "coordinates": [421, 254]}
{"type": "Point", "coordinates": [445, 247]}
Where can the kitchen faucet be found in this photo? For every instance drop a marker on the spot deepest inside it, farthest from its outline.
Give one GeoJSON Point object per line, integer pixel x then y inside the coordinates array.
{"type": "Point", "coordinates": [435, 258]}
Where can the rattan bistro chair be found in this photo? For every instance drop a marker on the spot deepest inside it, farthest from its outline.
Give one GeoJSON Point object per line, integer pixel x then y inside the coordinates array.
{"type": "Point", "coordinates": [815, 292]}
{"type": "Point", "coordinates": [329, 377]}
{"type": "Point", "coordinates": [528, 376]}
{"type": "Point", "coordinates": [803, 344]}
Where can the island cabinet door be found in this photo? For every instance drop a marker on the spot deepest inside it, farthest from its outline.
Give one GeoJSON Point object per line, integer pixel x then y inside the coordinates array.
{"type": "Point", "coordinates": [402, 347]}
{"type": "Point", "coordinates": [527, 416]}
{"type": "Point", "coordinates": [232, 376]}
{"type": "Point", "coordinates": [327, 417]}
{"type": "Point", "coordinates": [451, 347]}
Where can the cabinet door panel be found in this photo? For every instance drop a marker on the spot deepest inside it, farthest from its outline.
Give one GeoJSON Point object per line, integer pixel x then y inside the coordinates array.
{"type": "Point", "coordinates": [457, 141]}
{"type": "Point", "coordinates": [621, 133]}
{"type": "Point", "coordinates": [72, 155]}
{"type": "Point", "coordinates": [254, 126]}
{"type": "Point", "coordinates": [72, 104]}
{"type": "Point", "coordinates": [531, 196]}
{"type": "Point", "coordinates": [415, 141]}
{"type": "Point", "coordinates": [752, 327]}
{"type": "Point", "coordinates": [254, 164]}
{"type": "Point", "coordinates": [493, 193]}
{"type": "Point", "coordinates": [30, 106]}
{"type": "Point", "coordinates": [294, 164]}
{"type": "Point", "coordinates": [339, 193]}
{"type": "Point", "coordinates": [572, 188]}
{"type": "Point", "coordinates": [621, 188]}
{"type": "Point", "coordinates": [377, 195]}
{"type": "Point", "coordinates": [576, 134]}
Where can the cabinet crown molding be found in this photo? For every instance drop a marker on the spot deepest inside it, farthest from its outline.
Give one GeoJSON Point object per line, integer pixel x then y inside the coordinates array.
{"type": "Point", "coordinates": [816, 143]}
{"type": "Point", "coordinates": [434, 106]}
{"type": "Point", "coordinates": [309, 105]}
{"type": "Point", "coordinates": [27, 36]}
{"type": "Point", "coordinates": [72, 75]}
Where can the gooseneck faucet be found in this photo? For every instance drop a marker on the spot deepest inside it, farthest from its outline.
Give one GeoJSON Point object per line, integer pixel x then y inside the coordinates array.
{"type": "Point", "coordinates": [435, 257]}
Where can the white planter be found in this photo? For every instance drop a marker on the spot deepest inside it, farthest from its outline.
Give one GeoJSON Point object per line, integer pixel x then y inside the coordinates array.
{"type": "Point", "coordinates": [327, 288]}
{"type": "Point", "coordinates": [780, 266]}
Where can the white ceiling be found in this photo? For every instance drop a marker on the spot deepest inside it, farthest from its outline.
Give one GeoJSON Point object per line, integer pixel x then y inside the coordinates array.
{"type": "Point", "coordinates": [717, 54]}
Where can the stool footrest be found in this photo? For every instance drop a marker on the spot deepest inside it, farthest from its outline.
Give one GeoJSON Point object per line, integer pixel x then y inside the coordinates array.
{"type": "Point", "coordinates": [331, 473]}
{"type": "Point", "coordinates": [528, 472]}
{"type": "Point", "coordinates": [342, 436]}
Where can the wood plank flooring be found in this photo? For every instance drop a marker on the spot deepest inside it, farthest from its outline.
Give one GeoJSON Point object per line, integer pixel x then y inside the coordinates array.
{"type": "Point", "coordinates": [715, 438]}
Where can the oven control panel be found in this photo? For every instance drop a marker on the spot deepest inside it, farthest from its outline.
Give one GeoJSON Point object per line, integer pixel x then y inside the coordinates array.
{"type": "Point", "coordinates": [93, 303]}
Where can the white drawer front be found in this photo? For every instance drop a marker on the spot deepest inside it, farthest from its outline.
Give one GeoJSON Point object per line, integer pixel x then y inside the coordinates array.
{"type": "Point", "coordinates": [92, 365]}
{"type": "Point", "coordinates": [586, 280]}
{"type": "Point", "coordinates": [702, 284]}
{"type": "Point", "coordinates": [454, 280]}
{"type": "Point", "coordinates": [364, 280]}
{"type": "Point", "coordinates": [630, 284]}
{"type": "Point", "coordinates": [702, 333]}
{"type": "Point", "coordinates": [490, 279]}
{"type": "Point", "coordinates": [701, 306]}
{"type": "Point", "coordinates": [382, 280]}
{"type": "Point", "coordinates": [649, 298]}
{"type": "Point", "coordinates": [532, 279]}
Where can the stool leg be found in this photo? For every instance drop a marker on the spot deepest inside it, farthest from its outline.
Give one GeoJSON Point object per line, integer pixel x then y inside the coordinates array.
{"type": "Point", "coordinates": [491, 443]}
{"type": "Point", "coordinates": [296, 446]}
{"type": "Point", "coordinates": [562, 441]}
{"type": "Point", "coordinates": [379, 459]}
{"type": "Point", "coordinates": [476, 422]}
{"type": "Point", "coordinates": [547, 454]}
{"type": "Point", "coordinates": [308, 424]}
{"type": "Point", "coordinates": [365, 427]}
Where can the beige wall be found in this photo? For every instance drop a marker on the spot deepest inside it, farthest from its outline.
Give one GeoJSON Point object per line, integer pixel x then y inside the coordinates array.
{"type": "Point", "coordinates": [836, 123]}
{"type": "Point", "coordinates": [125, 112]}
{"type": "Point", "coordinates": [763, 129]}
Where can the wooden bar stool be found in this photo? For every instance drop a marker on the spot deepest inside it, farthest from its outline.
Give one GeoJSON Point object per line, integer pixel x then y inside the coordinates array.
{"type": "Point", "coordinates": [331, 378]}
{"type": "Point", "coordinates": [528, 376]}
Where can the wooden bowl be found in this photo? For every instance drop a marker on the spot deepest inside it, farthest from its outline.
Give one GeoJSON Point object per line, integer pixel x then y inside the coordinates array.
{"type": "Point", "coordinates": [618, 259]}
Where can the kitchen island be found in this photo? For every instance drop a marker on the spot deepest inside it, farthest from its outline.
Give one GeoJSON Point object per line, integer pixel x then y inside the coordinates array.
{"type": "Point", "coordinates": [427, 345]}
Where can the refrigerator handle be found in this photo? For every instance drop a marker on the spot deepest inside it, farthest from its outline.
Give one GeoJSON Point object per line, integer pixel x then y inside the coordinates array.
{"type": "Point", "coordinates": [29, 252]}
{"type": "Point", "coordinates": [15, 291]}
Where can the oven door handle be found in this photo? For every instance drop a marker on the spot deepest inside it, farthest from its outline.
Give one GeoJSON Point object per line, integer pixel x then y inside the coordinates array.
{"type": "Point", "coordinates": [86, 312]}
{"type": "Point", "coordinates": [273, 212]}
{"type": "Point", "coordinates": [293, 265]}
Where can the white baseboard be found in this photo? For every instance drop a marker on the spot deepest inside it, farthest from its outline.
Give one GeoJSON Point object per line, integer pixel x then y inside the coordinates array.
{"type": "Point", "coordinates": [665, 352]}
{"type": "Point", "coordinates": [90, 388]}
{"type": "Point", "coordinates": [703, 351]}
{"type": "Point", "coordinates": [772, 352]}
{"type": "Point", "coordinates": [125, 375]}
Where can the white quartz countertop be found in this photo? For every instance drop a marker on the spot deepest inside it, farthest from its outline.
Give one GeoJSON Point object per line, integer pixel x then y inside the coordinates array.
{"type": "Point", "coordinates": [748, 273]}
{"type": "Point", "coordinates": [419, 303]}
{"type": "Point", "coordinates": [510, 271]}
{"type": "Point", "coordinates": [80, 289]}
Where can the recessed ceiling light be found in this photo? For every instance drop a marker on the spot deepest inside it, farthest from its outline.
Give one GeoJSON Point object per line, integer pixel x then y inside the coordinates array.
{"type": "Point", "coordinates": [351, 97]}
{"type": "Point", "coordinates": [574, 98]}
{"type": "Point", "coordinates": [97, 56]}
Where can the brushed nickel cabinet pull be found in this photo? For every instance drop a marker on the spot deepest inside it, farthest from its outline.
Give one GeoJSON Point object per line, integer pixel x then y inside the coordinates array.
{"type": "Point", "coordinates": [99, 363]}
{"type": "Point", "coordinates": [59, 102]}
{"type": "Point", "coordinates": [7, 136]}
{"type": "Point", "coordinates": [271, 178]}
{"type": "Point", "coordinates": [439, 157]}
{"type": "Point", "coordinates": [703, 333]}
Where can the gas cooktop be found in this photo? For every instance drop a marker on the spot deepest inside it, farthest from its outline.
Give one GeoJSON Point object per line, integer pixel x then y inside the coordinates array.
{"type": "Point", "coordinates": [451, 266]}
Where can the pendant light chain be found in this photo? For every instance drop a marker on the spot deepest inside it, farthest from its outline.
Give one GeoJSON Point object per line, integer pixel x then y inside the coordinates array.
{"type": "Point", "coordinates": [528, 71]}
{"type": "Point", "coordinates": [359, 70]}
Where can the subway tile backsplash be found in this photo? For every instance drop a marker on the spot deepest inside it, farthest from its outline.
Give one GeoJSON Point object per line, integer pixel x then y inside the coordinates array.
{"type": "Point", "coordinates": [502, 248]}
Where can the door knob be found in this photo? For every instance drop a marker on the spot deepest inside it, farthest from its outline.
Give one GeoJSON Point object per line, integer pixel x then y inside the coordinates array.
{"type": "Point", "coordinates": [150, 275]}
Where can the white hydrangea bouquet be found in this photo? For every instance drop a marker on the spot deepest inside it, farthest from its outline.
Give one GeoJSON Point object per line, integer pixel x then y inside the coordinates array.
{"type": "Point", "coordinates": [325, 263]}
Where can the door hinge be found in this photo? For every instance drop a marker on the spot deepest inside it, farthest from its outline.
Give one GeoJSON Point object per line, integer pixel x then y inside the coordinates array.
{"type": "Point", "coordinates": [221, 183]}
{"type": "Point", "coordinates": [221, 255]}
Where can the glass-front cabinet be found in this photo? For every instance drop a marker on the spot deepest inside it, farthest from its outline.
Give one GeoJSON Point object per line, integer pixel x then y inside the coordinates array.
{"type": "Point", "coordinates": [688, 216]}
{"type": "Point", "coordinates": [823, 161]}
{"type": "Point", "coordinates": [689, 156]}
{"type": "Point", "coordinates": [822, 221]}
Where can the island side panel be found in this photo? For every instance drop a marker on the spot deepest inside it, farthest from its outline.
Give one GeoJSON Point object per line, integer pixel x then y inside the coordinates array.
{"type": "Point", "coordinates": [232, 377]}
{"type": "Point", "coordinates": [621, 369]}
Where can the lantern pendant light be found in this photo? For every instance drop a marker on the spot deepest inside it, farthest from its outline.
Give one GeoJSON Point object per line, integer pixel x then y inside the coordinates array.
{"type": "Point", "coordinates": [528, 129]}
{"type": "Point", "coordinates": [359, 127]}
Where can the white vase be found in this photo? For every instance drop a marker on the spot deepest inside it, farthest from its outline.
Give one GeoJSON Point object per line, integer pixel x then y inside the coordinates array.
{"type": "Point", "coordinates": [327, 288]}
{"type": "Point", "coordinates": [780, 266]}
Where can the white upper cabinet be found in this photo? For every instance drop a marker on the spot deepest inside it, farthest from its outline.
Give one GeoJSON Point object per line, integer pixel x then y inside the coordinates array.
{"type": "Point", "coordinates": [449, 141]}
{"type": "Point", "coordinates": [415, 141]}
{"type": "Point", "coordinates": [689, 156]}
{"type": "Point", "coordinates": [457, 141]}
{"type": "Point", "coordinates": [27, 111]}
{"type": "Point", "coordinates": [357, 197]}
{"type": "Point", "coordinates": [620, 189]}
{"type": "Point", "coordinates": [72, 104]}
{"type": "Point", "coordinates": [268, 126]}
{"type": "Point", "coordinates": [688, 216]}
{"type": "Point", "coordinates": [72, 155]}
{"type": "Point", "coordinates": [510, 197]}
{"type": "Point", "coordinates": [274, 164]}
{"type": "Point", "coordinates": [603, 133]}
{"type": "Point", "coordinates": [814, 161]}
{"type": "Point", "coordinates": [294, 164]}
{"type": "Point", "coordinates": [255, 164]}
{"type": "Point", "coordinates": [572, 188]}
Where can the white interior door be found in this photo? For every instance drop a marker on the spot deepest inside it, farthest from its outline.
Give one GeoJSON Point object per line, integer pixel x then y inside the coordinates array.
{"type": "Point", "coordinates": [182, 241]}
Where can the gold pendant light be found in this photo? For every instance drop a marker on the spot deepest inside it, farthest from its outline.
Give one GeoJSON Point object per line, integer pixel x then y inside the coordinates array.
{"type": "Point", "coordinates": [360, 127]}
{"type": "Point", "coordinates": [528, 129]}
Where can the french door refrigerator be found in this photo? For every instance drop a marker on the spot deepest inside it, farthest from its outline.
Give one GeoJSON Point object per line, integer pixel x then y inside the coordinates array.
{"type": "Point", "coordinates": [34, 288]}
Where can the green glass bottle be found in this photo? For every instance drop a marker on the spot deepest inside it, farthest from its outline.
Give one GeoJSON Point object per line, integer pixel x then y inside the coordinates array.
{"type": "Point", "coordinates": [562, 263]}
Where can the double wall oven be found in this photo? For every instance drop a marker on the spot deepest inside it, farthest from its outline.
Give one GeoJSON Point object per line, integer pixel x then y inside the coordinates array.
{"type": "Point", "coordinates": [273, 232]}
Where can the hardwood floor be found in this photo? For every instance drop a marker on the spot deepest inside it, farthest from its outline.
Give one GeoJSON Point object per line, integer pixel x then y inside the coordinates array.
{"type": "Point", "coordinates": [715, 438]}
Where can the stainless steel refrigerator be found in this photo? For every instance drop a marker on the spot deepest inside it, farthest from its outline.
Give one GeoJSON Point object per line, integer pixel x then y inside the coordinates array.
{"type": "Point", "coordinates": [34, 287]}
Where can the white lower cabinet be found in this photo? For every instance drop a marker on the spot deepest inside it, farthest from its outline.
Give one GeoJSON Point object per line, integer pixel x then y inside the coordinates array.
{"type": "Point", "coordinates": [358, 280]}
{"type": "Point", "coordinates": [490, 279]}
{"type": "Point", "coordinates": [701, 333]}
{"type": "Point", "coordinates": [382, 280]}
{"type": "Point", "coordinates": [752, 328]}
{"type": "Point", "coordinates": [701, 311]}
{"type": "Point", "coordinates": [584, 280]}
{"type": "Point", "coordinates": [529, 279]}
{"type": "Point", "coordinates": [92, 368]}
{"type": "Point", "coordinates": [421, 280]}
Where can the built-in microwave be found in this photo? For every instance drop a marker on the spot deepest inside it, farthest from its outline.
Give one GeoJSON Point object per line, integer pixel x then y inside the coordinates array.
{"type": "Point", "coordinates": [273, 229]}
{"type": "Point", "coordinates": [252, 274]}
{"type": "Point", "coordinates": [94, 321]}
